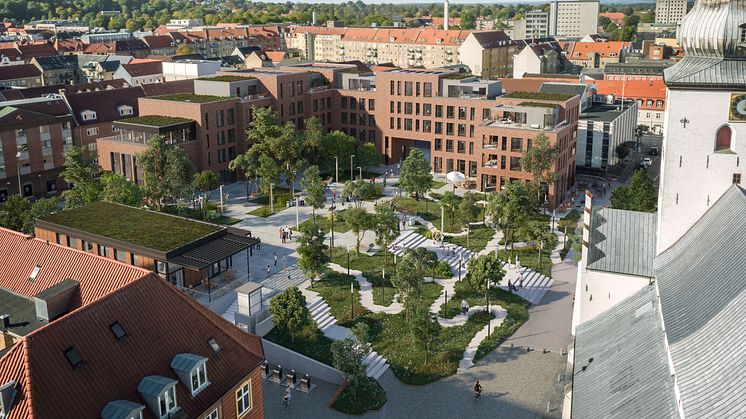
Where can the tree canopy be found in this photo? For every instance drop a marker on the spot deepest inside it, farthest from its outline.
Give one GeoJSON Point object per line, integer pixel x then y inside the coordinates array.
{"type": "Point", "coordinates": [314, 186]}
{"type": "Point", "coordinates": [289, 311]}
{"type": "Point", "coordinates": [639, 195]}
{"type": "Point", "coordinates": [167, 172]}
{"type": "Point", "coordinates": [415, 175]}
{"type": "Point", "coordinates": [313, 261]}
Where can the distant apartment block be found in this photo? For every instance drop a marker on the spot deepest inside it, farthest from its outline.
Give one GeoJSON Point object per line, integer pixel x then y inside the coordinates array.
{"type": "Point", "coordinates": [535, 24]}
{"type": "Point", "coordinates": [670, 11]}
{"type": "Point", "coordinates": [573, 18]}
{"type": "Point", "coordinates": [603, 127]}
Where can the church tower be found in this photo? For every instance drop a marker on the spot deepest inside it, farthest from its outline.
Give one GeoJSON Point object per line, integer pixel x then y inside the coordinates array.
{"type": "Point", "coordinates": [705, 128]}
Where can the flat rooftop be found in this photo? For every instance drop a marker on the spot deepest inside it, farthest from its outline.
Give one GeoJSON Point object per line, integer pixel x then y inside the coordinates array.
{"type": "Point", "coordinates": [604, 112]}
{"type": "Point", "coordinates": [137, 226]}
{"type": "Point", "coordinates": [155, 120]}
{"type": "Point", "coordinates": [191, 97]}
{"type": "Point", "coordinates": [559, 97]}
{"type": "Point", "coordinates": [227, 78]}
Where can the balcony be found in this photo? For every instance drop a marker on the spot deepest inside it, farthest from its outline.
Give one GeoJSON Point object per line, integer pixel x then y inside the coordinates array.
{"type": "Point", "coordinates": [127, 137]}
{"type": "Point", "coordinates": [491, 146]}
{"type": "Point", "coordinates": [492, 164]}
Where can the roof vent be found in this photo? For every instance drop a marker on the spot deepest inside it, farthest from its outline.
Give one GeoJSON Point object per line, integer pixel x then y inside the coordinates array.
{"type": "Point", "coordinates": [34, 273]}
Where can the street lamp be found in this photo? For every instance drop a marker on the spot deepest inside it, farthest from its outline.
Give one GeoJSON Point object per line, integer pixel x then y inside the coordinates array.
{"type": "Point", "coordinates": [271, 198]}
{"type": "Point", "coordinates": [348, 260]}
{"type": "Point", "coordinates": [360, 170]}
{"type": "Point", "coordinates": [352, 301]}
{"type": "Point", "coordinates": [383, 284]}
{"type": "Point", "coordinates": [460, 264]}
{"type": "Point", "coordinates": [352, 156]}
{"type": "Point", "coordinates": [487, 297]}
{"type": "Point", "coordinates": [18, 168]}
{"type": "Point", "coordinates": [336, 167]}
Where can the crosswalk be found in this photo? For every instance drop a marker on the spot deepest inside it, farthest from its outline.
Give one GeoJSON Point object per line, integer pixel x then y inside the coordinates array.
{"type": "Point", "coordinates": [535, 285]}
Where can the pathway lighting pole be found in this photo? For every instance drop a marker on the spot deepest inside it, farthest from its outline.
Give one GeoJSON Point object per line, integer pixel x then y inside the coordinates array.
{"type": "Point", "coordinates": [352, 176]}
{"type": "Point", "coordinates": [18, 168]}
{"type": "Point", "coordinates": [336, 167]}
{"type": "Point", "coordinates": [383, 284]}
{"type": "Point", "coordinates": [348, 260]}
{"type": "Point", "coordinates": [360, 170]}
{"type": "Point", "coordinates": [487, 297]}
{"type": "Point", "coordinates": [352, 301]}
{"type": "Point", "coordinates": [271, 198]}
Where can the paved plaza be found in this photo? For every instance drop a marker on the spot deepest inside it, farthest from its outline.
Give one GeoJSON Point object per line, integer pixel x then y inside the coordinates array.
{"type": "Point", "coordinates": [517, 383]}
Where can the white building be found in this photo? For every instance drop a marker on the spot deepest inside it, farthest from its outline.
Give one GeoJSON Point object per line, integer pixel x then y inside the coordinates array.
{"type": "Point", "coordinates": [601, 129]}
{"type": "Point", "coordinates": [189, 69]}
{"type": "Point", "coordinates": [670, 11]}
{"type": "Point", "coordinates": [705, 123]}
{"type": "Point", "coordinates": [543, 57]}
{"type": "Point", "coordinates": [535, 24]}
{"type": "Point", "coordinates": [573, 18]}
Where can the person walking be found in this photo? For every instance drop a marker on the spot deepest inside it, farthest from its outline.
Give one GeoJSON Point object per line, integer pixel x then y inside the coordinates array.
{"type": "Point", "coordinates": [477, 390]}
{"type": "Point", "coordinates": [269, 271]}
{"type": "Point", "coordinates": [286, 397]}
{"type": "Point", "coordinates": [510, 286]}
{"type": "Point", "coordinates": [464, 307]}
{"type": "Point", "coordinates": [520, 279]}
{"type": "Point", "coordinates": [275, 256]}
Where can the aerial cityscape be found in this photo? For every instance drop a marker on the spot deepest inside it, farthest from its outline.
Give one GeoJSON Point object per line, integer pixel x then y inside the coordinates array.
{"type": "Point", "coordinates": [381, 210]}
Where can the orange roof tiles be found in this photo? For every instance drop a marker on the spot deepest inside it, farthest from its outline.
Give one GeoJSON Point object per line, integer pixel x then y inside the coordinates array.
{"type": "Point", "coordinates": [160, 322]}
{"type": "Point", "coordinates": [642, 89]}
{"type": "Point", "coordinates": [582, 50]}
{"type": "Point", "coordinates": [98, 276]}
{"type": "Point", "coordinates": [385, 35]}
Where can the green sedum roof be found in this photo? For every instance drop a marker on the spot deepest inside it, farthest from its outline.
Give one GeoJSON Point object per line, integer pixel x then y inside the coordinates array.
{"type": "Point", "coordinates": [139, 227]}
{"type": "Point", "coordinates": [155, 120]}
{"type": "Point", "coordinates": [228, 78]}
{"type": "Point", "coordinates": [191, 97]}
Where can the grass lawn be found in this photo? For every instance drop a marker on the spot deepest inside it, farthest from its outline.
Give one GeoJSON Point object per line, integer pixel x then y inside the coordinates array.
{"type": "Point", "coordinates": [322, 219]}
{"type": "Point", "coordinates": [529, 257]}
{"type": "Point", "coordinates": [516, 306]}
{"type": "Point", "coordinates": [372, 268]}
{"type": "Point", "coordinates": [429, 211]}
{"type": "Point", "coordinates": [438, 184]}
{"type": "Point", "coordinates": [477, 240]}
{"type": "Point", "coordinates": [280, 197]}
{"type": "Point", "coordinates": [570, 225]}
{"type": "Point", "coordinates": [335, 289]}
{"type": "Point", "coordinates": [309, 342]}
{"type": "Point", "coordinates": [197, 215]}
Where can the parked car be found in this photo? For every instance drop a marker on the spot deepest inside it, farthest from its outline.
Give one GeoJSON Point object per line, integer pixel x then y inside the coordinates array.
{"type": "Point", "coordinates": [654, 151]}
{"type": "Point", "coordinates": [647, 161]}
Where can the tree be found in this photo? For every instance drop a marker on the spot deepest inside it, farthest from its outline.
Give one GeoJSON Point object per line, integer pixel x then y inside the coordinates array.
{"type": "Point", "coordinates": [39, 209]}
{"type": "Point", "coordinates": [539, 160]}
{"type": "Point", "coordinates": [289, 311]}
{"type": "Point", "coordinates": [205, 181]}
{"type": "Point", "coordinates": [421, 259]}
{"type": "Point", "coordinates": [359, 221]}
{"type": "Point", "coordinates": [546, 242]}
{"type": "Point", "coordinates": [348, 356]}
{"type": "Point", "coordinates": [385, 227]}
{"type": "Point", "coordinates": [14, 212]}
{"type": "Point", "coordinates": [424, 327]}
{"type": "Point", "coordinates": [313, 135]}
{"type": "Point", "coordinates": [450, 204]}
{"type": "Point", "coordinates": [313, 260]}
{"type": "Point", "coordinates": [359, 190]}
{"type": "Point", "coordinates": [183, 49]}
{"type": "Point", "coordinates": [415, 175]}
{"type": "Point", "coordinates": [268, 171]}
{"type": "Point", "coordinates": [638, 196]}
{"type": "Point", "coordinates": [167, 171]}
{"type": "Point", "coordinates": [82, 172]}
{"type": "Point", "coordinates": [603, 21]}
{"type": "Point", "coordinates": [407, 282]}
{"type": "Point", "coordinates": [339, 144]}
{"type": "Point", "coordinates": [314, 187]}
{"type": "Point", "coordinates": [367, 156]}
{"type": "Point", "coordinates": [468, 211]}
{"type": "Point", "coordinates": [484, 271]}
{"type": "Point", "coordinates": [510, 208]}
{"type": "Point", "coordinates": [118, 189]}
{"type": "Point", "coordinates": [248, 164]}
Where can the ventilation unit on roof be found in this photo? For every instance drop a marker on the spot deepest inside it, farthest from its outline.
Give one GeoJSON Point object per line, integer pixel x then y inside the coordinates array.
{"type": "Point", "coordinates": [34, 273]}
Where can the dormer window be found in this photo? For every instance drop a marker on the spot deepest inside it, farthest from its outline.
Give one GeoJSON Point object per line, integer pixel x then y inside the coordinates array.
{"type": "Point", "coordinates": [122, 409]}
{"type": "Point", "coordinates": [88, 115]}
{"type": "Point", "coordinates": [160, 394]}
{"type": "Point", "coordinates": [192, 371]}
{"type": "Point", "coordinates": [7, 394]}
{"type": "Point", "coordinates": [125, 110]}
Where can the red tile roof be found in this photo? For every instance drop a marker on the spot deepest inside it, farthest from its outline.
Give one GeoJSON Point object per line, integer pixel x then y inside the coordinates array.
{"type": "Point", "coordinates": [581, 50]}
{"type": "Point", "coordinates": [143, 69]}
{"type": "Point", "coordinates": [159, 41]}
{"type": "Point", "coordinates": [385, 35]}
{"type": "Point", "coordinates": [160, 322]}
{"type": "Point", "coordinates": [105, 103]}
{"type": "Point", "coordinates": [98, 276]}
{"type": "Point", "coordinates": [632, 89]}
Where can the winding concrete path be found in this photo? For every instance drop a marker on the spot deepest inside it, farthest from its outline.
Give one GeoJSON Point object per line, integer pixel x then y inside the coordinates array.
{"type": "Point", "coordinates": [366, 292]}
{"type": "Point", "coordinates": [467, 361]}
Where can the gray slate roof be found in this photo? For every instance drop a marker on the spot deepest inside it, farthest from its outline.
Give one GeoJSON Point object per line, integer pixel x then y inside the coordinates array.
{"type": "Point", "coordinates": [702, 283]}
{"type": "Point", "coordinates": [629, 375]}
{"type": "Point", "coordinates": [706, 72]}
{"type": "Point", "coordinates": [622, 241]}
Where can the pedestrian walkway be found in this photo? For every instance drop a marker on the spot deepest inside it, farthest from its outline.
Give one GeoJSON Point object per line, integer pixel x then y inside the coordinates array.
{"type": "Point", "coordinates": [366, 293]}
{"type": "Point", "coordinates": [467, 360]}
{"type": "Point", "coordinates": [456, 256]}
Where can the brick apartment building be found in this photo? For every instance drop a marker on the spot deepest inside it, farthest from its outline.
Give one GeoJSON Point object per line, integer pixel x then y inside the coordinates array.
{"type": "Point", "coordinates": [142, 348]}
{"type": "Point", "coordinates": [33, 136]}
{"type": "Point", "coordinates": [461, 122]}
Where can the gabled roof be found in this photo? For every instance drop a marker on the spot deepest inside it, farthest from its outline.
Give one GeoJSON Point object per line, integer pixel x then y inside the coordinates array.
{"type": "Point", "coordinates": [12, 117]}
{"type": "Point", "coordinates": [583, 50]}
{"type": "Point", "coordinates": [643, 89]}
{"type": "Point", "coordinates": [702, 283]}
{"type": "Point", "coordinates": [160, 322]}
{"type": "Point", "coordinates": [30, 51]}
{"type": "Point", "coordinates": [492, 39]}
{"type": "Point", "coordinates": [563, 88]}
{"type": "Point", "coordinates": [159, 41]}
{"type": "Point", "coordinates": [105, 103]}
{"type": "Point", "coordinates": [150, 68]}
{"type": "Point", "coordinates": [620, 367]}
{"type": "Point", "coordinates": [98, 276]}
{"type": "Point", "coordinates": [20, 71]}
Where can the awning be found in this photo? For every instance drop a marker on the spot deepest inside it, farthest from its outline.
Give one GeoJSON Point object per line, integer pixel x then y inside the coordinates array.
{"type": "Point", "coordinates": [214, 251]}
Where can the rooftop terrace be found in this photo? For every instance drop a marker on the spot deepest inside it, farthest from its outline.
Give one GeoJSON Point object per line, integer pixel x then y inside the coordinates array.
{"type": "Point", "coordinates": [155, 120]}
{"type": "Point", "coordinates": [227, 79]}
{"type": "Point", "coordinates": [559, 97]}
{"type": "Point", "coordinates": [139, 227]}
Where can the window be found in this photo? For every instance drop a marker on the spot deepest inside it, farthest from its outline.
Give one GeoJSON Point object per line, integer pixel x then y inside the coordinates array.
{"type": "Point", "coordinates": [88, 115]}
{"type": "Point", "coordinates": [427, 109]}
{"type": "Point", "coordinates": [214, 345]}
{"type": "Point", "coordinates": [515, 163]}
{"type": "Point", "coordinates": [737, 178]}
{"type": "Point", "coordinates": [371, 104]}
{"type": "Point", "coordinates": [103, 251]}
{"type": "Point", "coordinates": [408, 108]}
{"type": "Point", "coordinates": [427, 89]}
{"type": "Point", "coordinates": [438, 144]}
{"type": "Point", "coordinates": [118, 330]}
{"type": "Point", "coordinates": [243, 399]}
{"type": "Point", "coordinates": [167, 402]}
{"type": "Point", "coordinates": [723, 138]}
{"type": "Point", "coordinates": [438, 111]}
{"type": "Point", "coordinates": [407, 88]}
{"type": "Point", "coordinates": [199, 378]}
{"type": "Point", "coordinates": [221, 137]}
{"type": "Point", "coordinates": [438, 127]}
{"type": "Point", "coordinates": [742, 33]}
{"type": "Point", "coordinates": [449, 112]}
{"type": "Point", "coordinates": [91, 131]}
{"type": "Point", "coordinates": [213, 415]}
{"type": "Point", "coordinates": [231, 116]}
{"type": "Point", "coordinates": [426, 126]}
{"type": "Point", "coordinates": [516, 144]}
{"type": "Point", "coordinates": [125, 110]}
{"type": "Point", "coordinates": [73, 357]}
{"type": "Point", "coordinates": [120, 255]}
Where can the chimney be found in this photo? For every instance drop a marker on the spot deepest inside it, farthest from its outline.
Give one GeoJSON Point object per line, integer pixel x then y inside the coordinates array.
{"type": "Point", "coordinates": [55, 300]}
{"type": "Point", "coordinates": [445, 15]}
{"type": "Point", "coordinates": [5, 321]}
{"type": "Point", "coordinates": [587, 223]}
